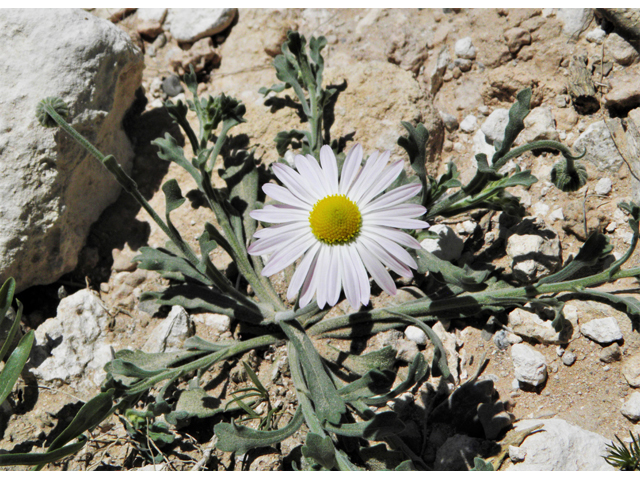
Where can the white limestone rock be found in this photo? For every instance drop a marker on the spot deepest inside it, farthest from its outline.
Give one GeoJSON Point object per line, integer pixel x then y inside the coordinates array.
{"type": "Point", "coordinates": [73, 345]}
{"type": "Point", "coordinates": [601, 150]}
{"type": "Point", "coordinates": [562, 446]}
{"type": "Point", "coordinates": [533, 256]}
{"type": "Point", "coordinates": [469, 124]}
{"type": "Point", "coordinates": [604, 185]}
{"type": "Point", "coordinates": [530, 365]}
{"type": "Point", "coordinates": [52, 190]}
{"type": "Point", "coordinates": [171, 333]}
{"type": "Point", "coordinates": [416, 334]}
{"type": "Point", "coordinates": [602, 330]}
{"type": "Point", "coordinates": [493, 127]}
{"type": "Point", "coordinates": [464, 48]}
{"type": "Point", "coordinates": [540, 124]}
{"type": "Point", "coordinates": [191, 24]}
{"type": "Point", "coordinates": [631, 408]}
{"type": "Point", "coordinates": [575, 20]}
{"type": "Point", "coordinates": [448, 245]}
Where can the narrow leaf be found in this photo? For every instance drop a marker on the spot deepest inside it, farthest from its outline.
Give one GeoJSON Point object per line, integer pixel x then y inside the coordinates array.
{"type": "Point", "coordinates": [14, 365]}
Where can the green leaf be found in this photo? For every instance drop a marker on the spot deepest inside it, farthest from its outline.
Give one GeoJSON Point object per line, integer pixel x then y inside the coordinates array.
{"type": "Point", "coordinates": [172, 152]}
{"type": "Point", "coordinates": [517, 113]}
{"type": "Point", "coordinates": [628, 305]}
{"type": "Point", "coordinates": [194, 403]}
{"type": "Point", "coordinates": [382, 359]}
{"type": "Point", "coordinates": [327, 402]}
{"type": "Point", "coordinates": [415, 144]}
{"type": "Point", "coordinates": [242, 181]}
{"type": "Point", "coordinates": [14, 365]}
{"type": "Point", "coordinates": [369, 385]}
{"type": "Point", "coordinates": [406, 466]}
{"type": "Point", "coordinates": [197, 343]}
{"type": "Point", "coordinates": [170, 265]}
{"type": "Point", "coordinates": [149, 361]}
{"type": "Point", "coordinates": [128, 369]}
{"type": "Point", "coordinates": [276, 88]}
{"type": "Point", "coordinates": [241, 439]}
{"type": "Point", "coordinates": [12, 332]}
{"type": "Point", "coordinates": [284, 139]}
{"type": "Point", "coordinates": [379, 457]}
{"type": "Point", "coordinates": [595, 248]}
{"type": "Point", "coordinates": [6, 297]}
{"type": "Point", "coordinates": [42, 458]}
{"type": "Point", "coordinates": [192, 297]}
{"type": "Point", "coordinates": [467, 279]}
{"type": "Point", "coordinates": [417, 370]}
{"type": "Point", "coordinates": [481, 465]}
{"type": "Point", "coordinates": [88, 417]}
{"type": "Point", "coordinates": [320, 449]}
{"type": "Point", "coordinates": [378, 427]}
{"type": "Point", "coordinates": [173, 195]}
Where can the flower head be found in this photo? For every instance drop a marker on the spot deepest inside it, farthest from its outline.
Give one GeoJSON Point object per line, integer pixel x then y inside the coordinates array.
{"type": "Point", "coordinates": [341, 223]}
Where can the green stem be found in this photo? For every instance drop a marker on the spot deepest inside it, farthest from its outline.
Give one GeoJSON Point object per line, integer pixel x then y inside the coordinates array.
{"type": "Point", "coordinates": [517, 295]}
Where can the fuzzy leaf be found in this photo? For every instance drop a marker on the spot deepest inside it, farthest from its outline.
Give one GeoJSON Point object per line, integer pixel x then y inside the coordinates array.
{"type": "Point", "coordinates": [517, 113]}
{"type": "Point", "coordinates": [381, 425]}
{"type": "Point", "coordinates": [320, 449]}
{"type": "Point", "coordinates": [194, 403]}
{"type": "Point", "coordinates": [42, 458]}
{"type": "Point", "coordinates": [369, 385]}
{"type": "Point", "coordinates": [159, 259]}
{"type": "Point", "coordinates": [417, 370]}
{"type": "Point", "coordinates": [241, 176]}
{"type": "Point", "coordinates": [14, 365]}
{"type": "Point", "coordinates": [470, 280]}
{"type": "Point", "coordinates": [241, 439]}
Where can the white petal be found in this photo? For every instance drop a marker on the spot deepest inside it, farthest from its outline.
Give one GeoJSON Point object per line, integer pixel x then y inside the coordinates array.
{"type": "Point", "coordinates": [350, 168]}
{"type": "Point", "coordinates": [406, 210]}
{"type": "Point", "coordinates": [285, 196]}
{"type": "Point", "coordinates": [285, 257]}
{"type": "Point", "coordinates": [313, 176]}
{"type": "Point", "coordinates": [280, 214]}
{"type": "Point", "coordinates": [335, 277]}
{"type": "Point", "coordinates": [358, 184]}
{"type": "Point", "coordinates": [329, 167]}
{"type": "Point", "coordinates": [394, 249]}
{"type": "Point", "coordinates": [361, 273]}
{"type": "Point", "coordinates": [386, 258]}
{"type": "Point", "coordinates": [324, 281]}
{"type": "Point", "coordinates": [350, 278]}
{"type": "Point", "coordinates": [302, 272]}
{"type": "Point", "coordinates": [406, 223]}
{"type": "Point", "coordinates": [310, 283]}
{"type": "Point", "coordinates": [271, 244]}
{"type": "Point", "coordinates": [294, 182]}
{"type": "Point", "coordinates": [386, 178]}
{"type": "Point", "coordinates": [377, 270]}
{"type": "Point", "coordinates": [283, 228]}
{"type": "Point", "coordinates": [395, 235]}
{"type": "Point", "coordinates": [394, 197]}
{"type": "Point", "coordinates": [369, 178]}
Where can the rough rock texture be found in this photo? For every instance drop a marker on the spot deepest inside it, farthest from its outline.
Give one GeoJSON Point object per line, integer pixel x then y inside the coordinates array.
{"type": "Point", "coordinates": [533, 255]}
{"type": "Point", "coordinates": [51, 189]}
{"type": "Point", "coordinates": [625, 91]}
{"type": "Point", "coordinates": [576, 20]}
{"type": "Point", "coordinates": [530, 325]}
{"type": "Point", "coordinates": [493, 127]}
{"type": "Point", "coordinates": [631, 370]}
{"type": "Point", "coordinates": [601, 150]}
{"type": "Point", "coordinates": [530, 365]}
{"type": "Point", "coordinates": [562, 446]}
{"type": "Point", "coordinates": [631, 407]}
{"type": "Point", "coordinates": [602, 330]}
{"type": "Point", "coordinates": [171, 333]}
{"type": "Point", "coordinates": [448, 245]}
{"type": "Point", "coordinates": [191, 24]}
{"type": "Point", "coordinates": [150, 20]}
{"type": "Point", "coordinates": [73, 344]}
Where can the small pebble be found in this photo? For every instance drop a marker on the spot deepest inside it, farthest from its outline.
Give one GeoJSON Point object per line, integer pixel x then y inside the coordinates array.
{"type": "Point", "coordinates": [569, 358]}
{"type": "Point", "coordinates": [171, 86]}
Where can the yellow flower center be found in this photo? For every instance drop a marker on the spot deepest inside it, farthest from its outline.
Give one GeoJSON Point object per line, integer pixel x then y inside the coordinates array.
{"type": "Point", "coordinates": [335, 220]}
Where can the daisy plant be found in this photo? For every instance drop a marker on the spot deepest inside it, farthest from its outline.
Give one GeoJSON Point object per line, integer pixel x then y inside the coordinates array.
{"type": "Point", "coordinates": [344, 219]}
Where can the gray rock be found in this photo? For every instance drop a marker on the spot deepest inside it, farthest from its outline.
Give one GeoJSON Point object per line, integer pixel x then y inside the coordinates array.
{"type": "Point", "coordinates": [416, 335]}
{"type": "Point", "coordinates": [450, 122]}
{"type": "Point", "coordinates": [191, 24]}
{"type": "Point", "coordinates": [457, 453]}
{"type": "Point", "coordinates": [171, 333]}
{"type": "Point", "coordinates": [517, 454]}
{"type": "Point", "coordinates": [517, 38]}
{"type": "Point", "coordinates": [530, 325]}
{"type": "Point", "coordinates": [602, 330]}
{"type": "Point", "coordinates": [569, 358]}
{"type": "Point", "coordinates": [611, 353]}
{"type": "Point", "coordinates": [150, 21]}
{"type": "Point", "coordinates": [539, 125]}
{"type": "Point", "coordinates": [52, 190]}
{"type": "Point", "coordinates": [530, 365]}
{"type": "Point", "coordinates": [493, 127]}
{"type": "Point", "coordinates": [601, 150]}
{"type": "Point", "coordinates": [603, 187]}
{"type": "Point", "coordinates": [218, 322]}
{"type": "Point", "coordinates": [464, 48]}
{"type": "Point", "coordinates": [621, 50]}
{"type": "Point", "coordinates": [480, 145]}
{"type": "Point", "coordinates": [625, 91]}
{"type": "Point", "coordinates": [448, 245]}
{"type": "Point", "coordinates": [597, 36]}
{"type": "Point", "coordinates": [437, 75]}
{"type": "Point", "coordinates": [561, 446]}
{"type": "Point", "coordinates": [504, 339]}
{"type": "Point", "coordinates": [631, 370]}
{"type": "Point", "coordinates": [533, 256]}
{"type": "Point", "coordinates": [631, 408]}
{"type": "Point", "coordinates": [172, 86]}
{"type": "Point", "coordinates": [575, 20]}
{"type": "Point", "coordinates": [78, 333]}
{"type": "Point", "coordinates": [469, 124]}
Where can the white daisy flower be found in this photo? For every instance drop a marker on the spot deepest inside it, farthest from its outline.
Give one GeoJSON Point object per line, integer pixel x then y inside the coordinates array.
{"type": "Point", "coordinates": [344, 227]}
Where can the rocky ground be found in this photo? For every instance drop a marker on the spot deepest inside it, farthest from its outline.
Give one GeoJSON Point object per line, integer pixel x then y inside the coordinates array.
{"type": "Point", "coordinates": [455, 70]}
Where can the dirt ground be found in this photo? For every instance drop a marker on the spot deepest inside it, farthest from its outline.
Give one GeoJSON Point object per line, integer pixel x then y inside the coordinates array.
{"type": "Point", "coordinates": [588, 393]}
